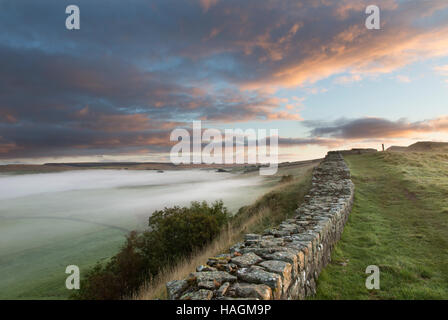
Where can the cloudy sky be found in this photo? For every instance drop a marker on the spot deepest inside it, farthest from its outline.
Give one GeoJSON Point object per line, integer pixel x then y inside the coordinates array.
{"type": "Point", "coordinates": [137, 69]}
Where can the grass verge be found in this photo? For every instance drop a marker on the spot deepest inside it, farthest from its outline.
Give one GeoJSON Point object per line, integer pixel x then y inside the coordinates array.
{"type": "Point", "coordinates": [399, 222]}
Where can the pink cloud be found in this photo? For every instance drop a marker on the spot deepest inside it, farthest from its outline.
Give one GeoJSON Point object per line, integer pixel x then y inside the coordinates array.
{"type": "Point", "coordinates": [207, 4]}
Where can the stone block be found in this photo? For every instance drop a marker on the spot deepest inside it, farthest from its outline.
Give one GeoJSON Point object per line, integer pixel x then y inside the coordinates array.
{"type": "Point", "coordinates": [246, 260]}
{"type": "Point", "coordinates": [175, 288]}
{"type": "Point", "coordinates": [282, 268]}
{"type": "Point", "coordinates": [219, 276]}
{"type": "Point", "coordinates": [258, 276]}
{"type": "Point", "coordinates": [248, 290]}
{"type": "Point", "coordinates": [201, 294]}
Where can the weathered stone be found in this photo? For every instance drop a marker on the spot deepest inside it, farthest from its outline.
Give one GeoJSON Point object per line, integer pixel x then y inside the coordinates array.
{"type": "Point", "coordinates": [236, 248]}
{"type": "Point", "coordinates": [252, 236]}
{"type": "Point", "coordinates": [175, 288]}
{"type": "Point", "coordinates": [246, 260]}
{"type": "Point", "coordinates": [297, 245]}
{"type": "Point", "coordinates": [289, 227]}
{"type": "Point", "coordinates": [228, 267]}
{"type": "Point", "coordinates": [231, 298]}
{"type": "Point", "coordinates": [258, 276]}
{"type": "Point", "coordinates": [276, 242]}
{"type": "Point", "coordinates": [257, 267]}
{"type": "Point", "coordinates": [249, 243]}
{"type": "Point", "coordinates": [280, 267]}
{"type": "Point", "coordinates": [261, 251]}
{"type": "Point", "coordinates": [284, 256]}
{"type": "Point", "coordinates": [284, 269]}
{"type": "Point", "coordinates": [247, 290]}
{"type": "Point", "coordinates": [280, 233]}
{"type": "Point", "coordinates": [201, 294]}
{"type": "Point", "coordinates": [223, 289]}
{"type": "Point", "coordinates": [209, 284]}
{"type": "Point", "coordinates": [225, 256]}
{"type": "Point", "coordinates": [219, 276]}
{"type": "Point", "coordinates": [205, 268]}
{"type": "Point", "coordinates": [301, 260]}
{"type": "Point", "coordinates": [220, 259]}
{"type": "Point", "coordinates": [305, 237]}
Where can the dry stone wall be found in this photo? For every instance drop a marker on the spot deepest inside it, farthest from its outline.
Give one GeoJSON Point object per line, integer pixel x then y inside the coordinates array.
{"type": "Point", "coordinates": [284, 262]}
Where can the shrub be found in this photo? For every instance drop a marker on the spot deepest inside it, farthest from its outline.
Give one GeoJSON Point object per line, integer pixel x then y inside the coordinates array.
{"type": "Point", "coordinates": [287, 178]}
{"type": "Point", "coordinates": [173, 233]}
{"type": "Point", "coordinates": [123, 274]}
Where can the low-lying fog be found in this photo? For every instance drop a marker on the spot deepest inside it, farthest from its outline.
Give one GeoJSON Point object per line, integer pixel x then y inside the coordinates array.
{"type": "Point", "coordinates": [50, 220]}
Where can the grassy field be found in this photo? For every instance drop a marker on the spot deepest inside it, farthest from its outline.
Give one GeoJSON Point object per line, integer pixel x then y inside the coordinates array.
{"type": "Point", "coordinates": [399, 222]}
{"type": "Point", "coordinates": [23, 279]}
{"type": "Point", "coordinates": [42, 233]}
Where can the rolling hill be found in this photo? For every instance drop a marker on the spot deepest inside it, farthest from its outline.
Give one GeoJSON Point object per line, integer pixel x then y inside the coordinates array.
{"type": "Point", "coordinates": [422, 146]}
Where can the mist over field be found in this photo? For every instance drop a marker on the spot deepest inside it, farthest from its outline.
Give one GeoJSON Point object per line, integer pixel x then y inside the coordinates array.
{"type": "Point", "coordinates": [13, 186]}
{"type": "Point", "coordinates": [51, 220]}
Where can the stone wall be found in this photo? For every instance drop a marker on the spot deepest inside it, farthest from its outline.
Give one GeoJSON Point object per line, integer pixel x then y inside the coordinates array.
{"type": "Point", "coordinates": [284, 262]}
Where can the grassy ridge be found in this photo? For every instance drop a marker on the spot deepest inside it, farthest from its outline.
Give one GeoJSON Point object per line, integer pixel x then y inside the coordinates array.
{"type": "Point", "coordinates": [399, 222]}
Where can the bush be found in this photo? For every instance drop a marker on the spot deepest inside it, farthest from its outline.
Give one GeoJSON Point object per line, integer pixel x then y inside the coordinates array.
{"type": "Point", "coordinates": [287, 178]}
{"type": "Point", "coordinates": [173, 233]}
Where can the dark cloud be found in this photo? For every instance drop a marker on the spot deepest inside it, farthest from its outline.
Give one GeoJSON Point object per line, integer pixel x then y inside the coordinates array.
{"type": "Point", "coordinates": [138, 68]}
{"type": "Point", "coordinates": [370, 128]}
{"type": "Point", "coordinates": [309, 141]}
{"type": "Point", "coordinates": [32, 140]}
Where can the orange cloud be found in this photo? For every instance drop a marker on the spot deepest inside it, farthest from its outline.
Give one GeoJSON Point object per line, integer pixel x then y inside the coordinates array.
{"type": "Point", "coordinates": [355, 49]}
{"type": "Point", "coordinates": [213, 33]}
{"type": "Point", "coordinates": [345, 6]}
{"type": "Point", "coordinates": [377, 128]}
{"type": "Point", "coordinates": [383, 54]}
{"type": "Point", "coordinates": [207, 4]}
{"type": "Point", "coordinates": [282, 115]}
{"type": "Point", "coordinates": [348, 79]}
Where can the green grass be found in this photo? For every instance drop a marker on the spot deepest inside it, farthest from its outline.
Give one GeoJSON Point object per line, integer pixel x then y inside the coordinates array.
{"type": "Point", "coordinates": [399, 222]}
{"type": "Point", "coordinates": [23, 279]}
{"type": "Point", "coordinates": [277, 205]}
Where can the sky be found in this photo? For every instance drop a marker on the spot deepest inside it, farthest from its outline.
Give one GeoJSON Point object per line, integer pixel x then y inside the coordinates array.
{"type": "Point", "coordinates": [136, 70]}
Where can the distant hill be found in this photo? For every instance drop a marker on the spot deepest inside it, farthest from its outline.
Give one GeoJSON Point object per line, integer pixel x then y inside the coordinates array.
{"type": "Point", "coordinates": [397, 149]}
{"type": "Point", "coordinates": [159, 166]}
{"type": "Point", "coordinates": [422, 146]}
